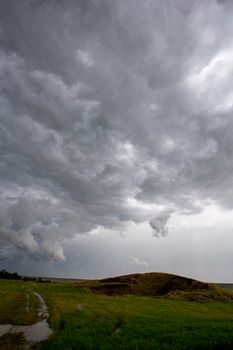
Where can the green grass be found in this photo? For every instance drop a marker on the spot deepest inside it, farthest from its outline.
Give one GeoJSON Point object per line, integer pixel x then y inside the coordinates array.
{"type": "Point", "coordinates": [143, 324]}
{"type": "Point", "coordinates": [131, 322]}
{"type": "Point", "coordinates": [185, 320]}
{"type": "Point", "coordinates": [18, 304]}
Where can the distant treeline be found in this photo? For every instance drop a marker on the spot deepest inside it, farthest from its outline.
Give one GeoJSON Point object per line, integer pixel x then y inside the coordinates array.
{"type": "Point", "coordinates": [5, 275]}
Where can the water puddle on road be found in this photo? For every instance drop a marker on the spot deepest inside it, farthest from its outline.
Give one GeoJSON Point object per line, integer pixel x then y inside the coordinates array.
{"type": "Point", "coordinates": [33, 333]}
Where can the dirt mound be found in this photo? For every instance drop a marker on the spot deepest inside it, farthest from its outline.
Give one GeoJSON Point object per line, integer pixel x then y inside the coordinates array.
{"type": "Point", "coordinates": [149, 284]}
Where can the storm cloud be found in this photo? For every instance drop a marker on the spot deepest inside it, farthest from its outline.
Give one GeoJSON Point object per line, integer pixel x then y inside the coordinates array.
{"type": "Point", "coordinates": [111, 113]}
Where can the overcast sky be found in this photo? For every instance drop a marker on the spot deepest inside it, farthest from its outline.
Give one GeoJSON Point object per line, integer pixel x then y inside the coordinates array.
{"type": "Point", "coordinates": [116, 137]}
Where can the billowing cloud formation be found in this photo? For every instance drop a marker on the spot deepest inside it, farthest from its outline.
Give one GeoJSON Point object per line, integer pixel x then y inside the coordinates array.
{"type": "Point", "coordinates": [111, 112]}
{"type": "Point", "coordinates": [160, 223]}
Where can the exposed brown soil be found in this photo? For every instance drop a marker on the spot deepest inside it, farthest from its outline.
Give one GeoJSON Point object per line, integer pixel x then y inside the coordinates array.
{"type": "Point", "coordinates": [150, 284]}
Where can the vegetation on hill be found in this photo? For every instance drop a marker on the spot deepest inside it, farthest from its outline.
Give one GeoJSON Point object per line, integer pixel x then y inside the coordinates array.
{"type": "Point", "coordinates": [163, 285]}
{"type": "Point", "coordinates": [148, 284]}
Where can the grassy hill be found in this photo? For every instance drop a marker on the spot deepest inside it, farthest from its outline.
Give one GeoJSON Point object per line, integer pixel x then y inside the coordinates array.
{"type": "Point", "coordinates": [139, 311]}
{"type": "Point", "coordinates": [163, 285]}
{"type": "Point", "coordinates": [148, 284]}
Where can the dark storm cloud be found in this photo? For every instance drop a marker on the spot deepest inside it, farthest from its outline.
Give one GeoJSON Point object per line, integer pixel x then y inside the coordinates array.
{"type": "Point", "coordinates": [111, 112]}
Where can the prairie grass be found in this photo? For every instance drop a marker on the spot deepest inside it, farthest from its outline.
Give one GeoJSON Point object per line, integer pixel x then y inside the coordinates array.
{"type": "Point", "coordinates": [18, 304]}
{"type": "Point", "coordinates": [81, 319]}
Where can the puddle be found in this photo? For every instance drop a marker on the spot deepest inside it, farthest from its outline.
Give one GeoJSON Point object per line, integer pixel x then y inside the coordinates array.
{"type": "Point", "coordinates": [33, 333]}
{"type": "Point", "coordinates": [38, 331]}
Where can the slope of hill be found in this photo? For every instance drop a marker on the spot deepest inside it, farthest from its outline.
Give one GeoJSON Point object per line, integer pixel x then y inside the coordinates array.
{"type": "Point", "coordinates": [161, 284]}
{"type": "Point", "coordinates": [150, 284]}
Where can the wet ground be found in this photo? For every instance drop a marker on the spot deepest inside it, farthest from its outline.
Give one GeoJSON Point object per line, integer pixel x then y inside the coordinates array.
{"type": "Point", "coordinates": [33, 333]}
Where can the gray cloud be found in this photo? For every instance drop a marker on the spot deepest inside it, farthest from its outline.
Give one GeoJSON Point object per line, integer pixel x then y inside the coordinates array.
{"type": "Point", "coordinates": [110, 113]}
{"type": "Point", "coordinates": [160, 223]}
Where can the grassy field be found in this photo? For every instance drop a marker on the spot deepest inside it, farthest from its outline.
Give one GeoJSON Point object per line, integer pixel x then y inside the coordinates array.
{"type": "Point", "coordinates": [82, 319]}
{"type": "Point", "coordinates": [18, 304]}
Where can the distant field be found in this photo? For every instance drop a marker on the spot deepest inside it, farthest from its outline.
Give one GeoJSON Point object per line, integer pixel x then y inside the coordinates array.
{"type": "Point", "coordinates": [83, 319]}
{"type": "Point", "coordinates": [226, 285]}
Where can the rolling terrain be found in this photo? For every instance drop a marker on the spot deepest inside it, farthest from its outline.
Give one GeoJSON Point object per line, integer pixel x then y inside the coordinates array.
{"type": "Point", "coordinates": [138, 311]}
